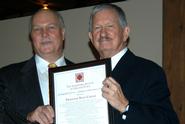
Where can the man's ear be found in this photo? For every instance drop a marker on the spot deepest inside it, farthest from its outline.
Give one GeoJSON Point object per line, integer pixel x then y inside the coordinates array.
{"type": "Point", "coordinates": [90, 36]}
{"type": "Point", "coordinates": [126, 33]}
{"type": "Point", "coordinates": [63, 33]}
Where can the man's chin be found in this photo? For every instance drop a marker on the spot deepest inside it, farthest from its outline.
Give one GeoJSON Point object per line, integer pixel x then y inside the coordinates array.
{"type": "Point", "coordinates": [105, 54]}
{"type": "Point", "coordinates": [47, 51]}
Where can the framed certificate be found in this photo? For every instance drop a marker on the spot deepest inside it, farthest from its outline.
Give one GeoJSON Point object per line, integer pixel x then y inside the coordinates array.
{"type": "Point", "coordinates": [75, 93]}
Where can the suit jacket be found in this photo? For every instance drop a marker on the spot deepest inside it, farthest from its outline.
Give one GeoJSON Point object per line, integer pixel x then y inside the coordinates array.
{"type": "Point", "coordinates": [144, 85]}
{"type": "Point", "coordinates": [20, 89]}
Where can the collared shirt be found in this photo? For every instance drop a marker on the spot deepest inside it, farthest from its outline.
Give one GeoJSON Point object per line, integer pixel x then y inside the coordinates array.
{"type": "Point", "coordinates": [115, 59]}
{"type": "Point", "coordinates": [42, 70]}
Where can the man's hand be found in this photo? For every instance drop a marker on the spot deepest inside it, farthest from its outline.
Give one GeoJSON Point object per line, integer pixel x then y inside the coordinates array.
{"type": "Point", "coordinates": [42, 115]}
{"type": "Point", "coordinates": [112, 91]}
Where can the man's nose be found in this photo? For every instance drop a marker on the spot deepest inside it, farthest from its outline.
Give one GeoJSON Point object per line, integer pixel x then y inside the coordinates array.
{"type": "Point", "coordinates": [45, 32]}
{"type": "Point", "coordinates": [103, 31]}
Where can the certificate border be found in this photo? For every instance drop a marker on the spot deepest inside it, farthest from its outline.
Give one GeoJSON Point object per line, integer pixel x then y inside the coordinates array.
{"type": "Point", "coordinates": [52, 71]}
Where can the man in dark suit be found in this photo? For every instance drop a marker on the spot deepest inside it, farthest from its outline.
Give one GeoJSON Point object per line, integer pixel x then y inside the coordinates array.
{"type": "Point", "coordinates": [24, 86]}
{"type": "Point", "coordinates": [137, 90]}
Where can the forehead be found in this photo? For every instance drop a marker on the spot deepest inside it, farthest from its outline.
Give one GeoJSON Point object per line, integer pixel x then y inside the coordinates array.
{"type": "Point", "coordinates": [106, 14]}
{"type": "Point", "coordinates": [44, 16]}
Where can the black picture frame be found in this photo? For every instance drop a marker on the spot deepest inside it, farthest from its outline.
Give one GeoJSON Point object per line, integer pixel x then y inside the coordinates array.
{"type": "Point", "coordinates": [106, 63]}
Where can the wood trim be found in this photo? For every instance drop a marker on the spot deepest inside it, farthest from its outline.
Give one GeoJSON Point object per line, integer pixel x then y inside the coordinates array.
{"type": "Point", "coordinates": [174, 52]}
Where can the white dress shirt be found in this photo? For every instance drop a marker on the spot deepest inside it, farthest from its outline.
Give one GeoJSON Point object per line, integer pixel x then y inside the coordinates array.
{"type": "Point", "coordinates": [115, 59]}
{"type": "Point", "coordinates": [42, 70]}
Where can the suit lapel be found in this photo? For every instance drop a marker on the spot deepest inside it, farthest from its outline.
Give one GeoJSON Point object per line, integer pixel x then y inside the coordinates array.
{"type": "Point", "coordinates": [123, 71]}
{"type": "Point", "coordinates": [68, 62]}
{"type": "Point", "coordinates": [31, 83]}
{"type": "Point", "coordinates": [124, 65]}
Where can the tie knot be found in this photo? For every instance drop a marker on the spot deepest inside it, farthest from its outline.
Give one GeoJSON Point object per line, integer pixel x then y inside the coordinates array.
{"type": "Point", "coordinates": [52, 65]}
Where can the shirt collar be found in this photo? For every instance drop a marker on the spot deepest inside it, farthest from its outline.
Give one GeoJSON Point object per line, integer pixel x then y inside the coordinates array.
{"type": "Point", "coordinates": [117, 57]}
{"type": "Point", "coordinates": [42, 64]}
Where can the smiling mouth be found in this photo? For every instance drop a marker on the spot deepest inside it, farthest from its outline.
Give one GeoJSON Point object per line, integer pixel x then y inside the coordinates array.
{"type": "Point", "coordinates": [104, 39]}
{"type": "Point", "coordinates": [46, 42]}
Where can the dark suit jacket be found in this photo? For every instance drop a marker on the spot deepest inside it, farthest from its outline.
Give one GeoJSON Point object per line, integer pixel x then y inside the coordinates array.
{"type": "Point", "coordinates": [20, 89]}
{"type": "Point", "coordinates": [144, 84]}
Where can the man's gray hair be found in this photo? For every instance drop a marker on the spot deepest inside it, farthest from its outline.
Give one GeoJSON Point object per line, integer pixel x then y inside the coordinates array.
{"type": "Point", "coordinates": [118, 10]}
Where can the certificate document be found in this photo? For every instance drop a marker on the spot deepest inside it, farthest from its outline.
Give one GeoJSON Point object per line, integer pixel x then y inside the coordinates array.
{"type": "Point", "coordinates": [75, 93]}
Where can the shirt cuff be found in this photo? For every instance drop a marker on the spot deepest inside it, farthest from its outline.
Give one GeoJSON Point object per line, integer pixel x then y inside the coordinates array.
{"type": "Point", "coordinates": [124, 113]}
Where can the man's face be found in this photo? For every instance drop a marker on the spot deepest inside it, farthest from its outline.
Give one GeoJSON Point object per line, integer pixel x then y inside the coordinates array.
{"type": "Point", "coordinates": [107, 36]}
{"type": "Point", "coordinates": [47, 36]}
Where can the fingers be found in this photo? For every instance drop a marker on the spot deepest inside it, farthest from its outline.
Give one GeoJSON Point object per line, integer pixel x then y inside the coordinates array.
{"type": "Point", "coordinates": [110, 84]}
{"type": "Point", "coordinates": [42, 115]}
{"type": "Point", "coordinates": [112, 91]}
{"type": "Point", "coordinates": [109, 89]}
{"type": "Point", "coordinates": [47, 114]}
